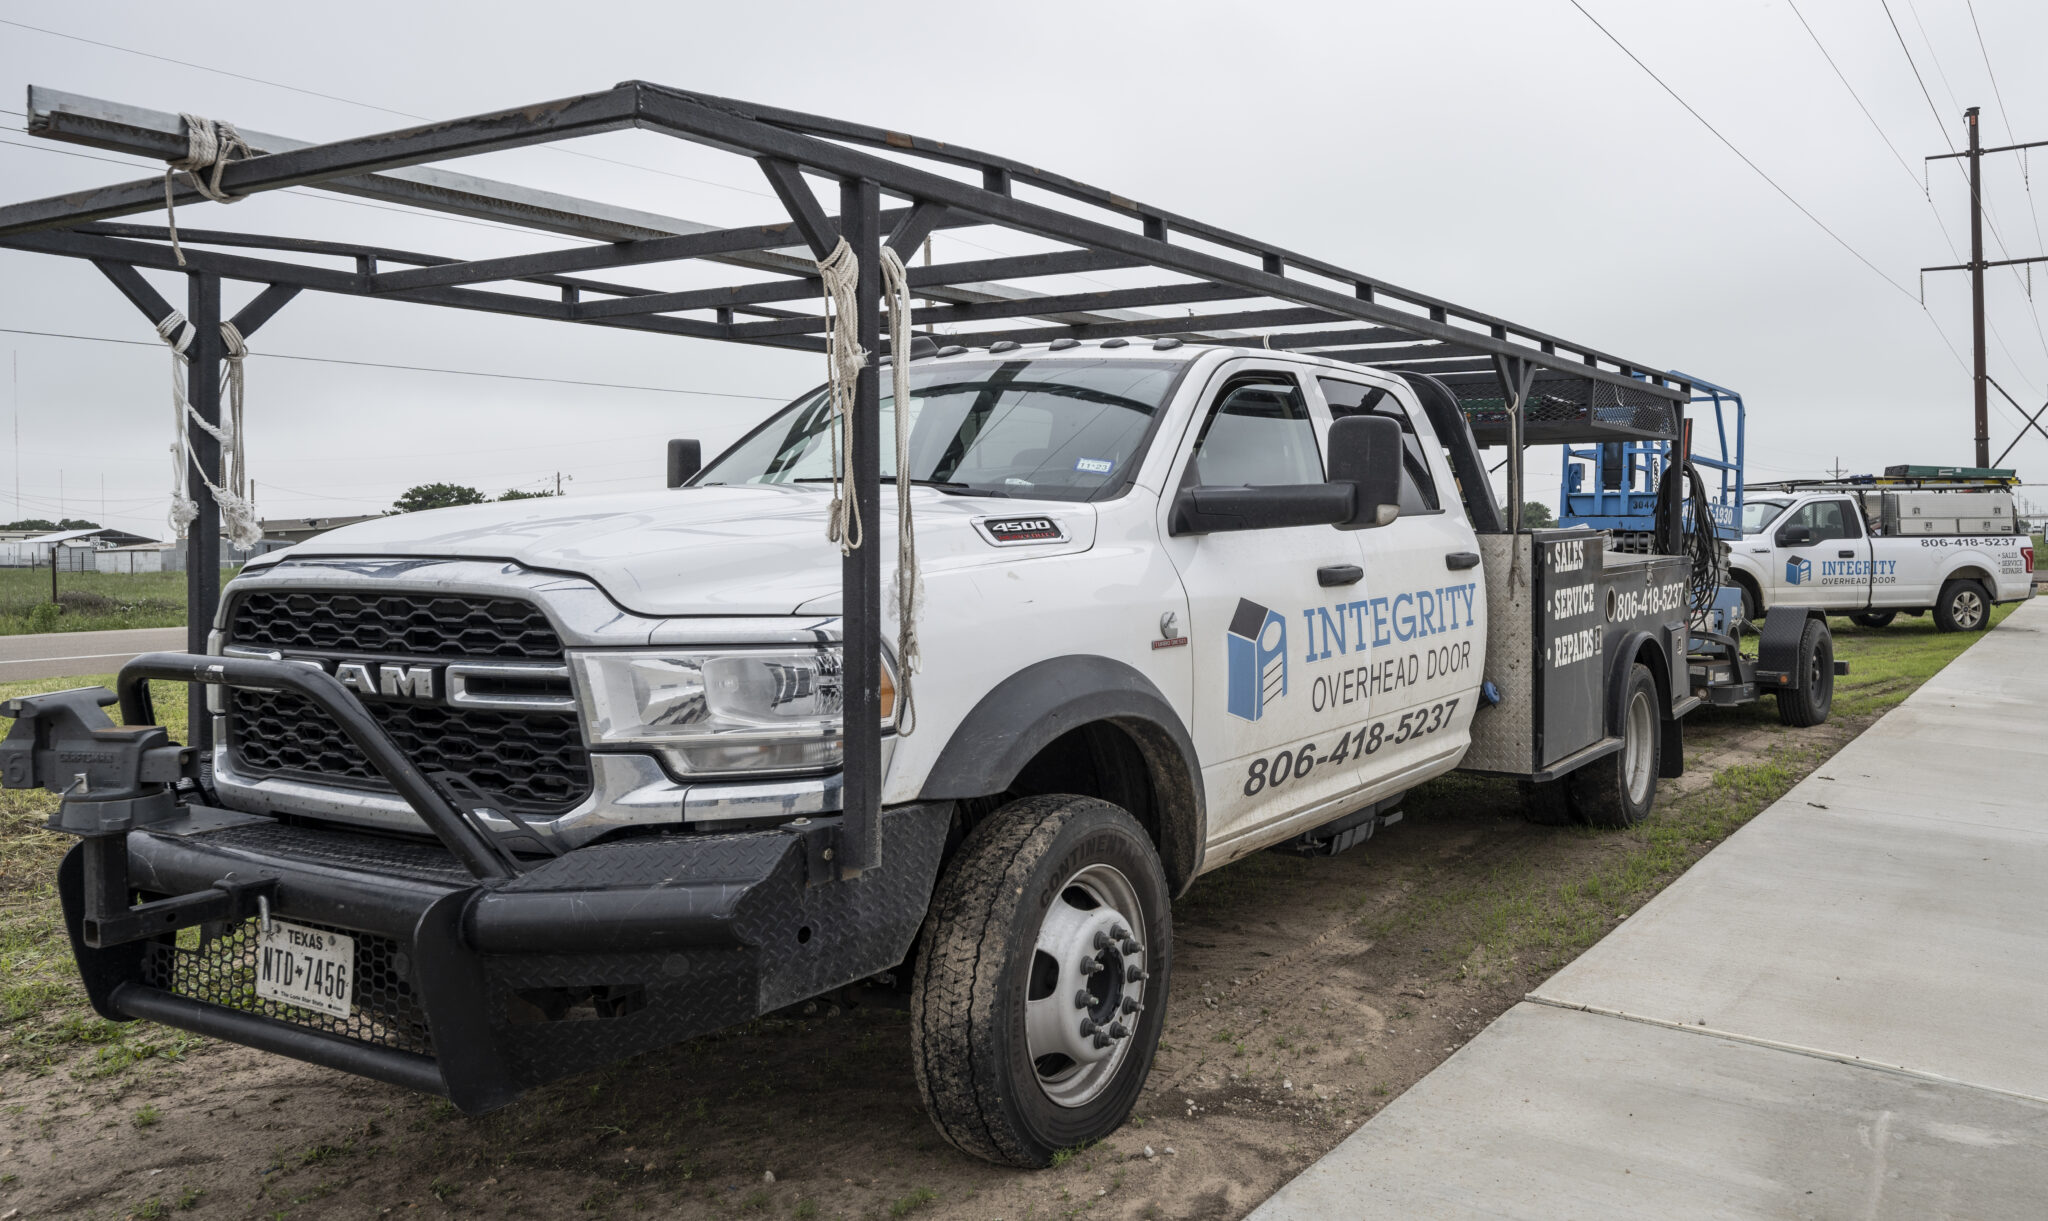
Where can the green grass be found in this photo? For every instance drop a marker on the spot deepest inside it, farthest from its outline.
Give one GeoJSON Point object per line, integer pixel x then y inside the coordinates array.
{"type": "Point", "coordinates": [42, 1006]}
{"type": "Point", "coordinates": [92, 601]}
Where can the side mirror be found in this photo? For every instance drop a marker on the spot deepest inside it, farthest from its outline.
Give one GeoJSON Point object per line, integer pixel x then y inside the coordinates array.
{"type": "Point", "coordinates": [1215, 510]}
{"type": "Point", "coordinates": [1795, 536]}
{"type": "Point", "coordinates": [1365, 451]}
{"type": "Point", "coordinates": [685, 458]}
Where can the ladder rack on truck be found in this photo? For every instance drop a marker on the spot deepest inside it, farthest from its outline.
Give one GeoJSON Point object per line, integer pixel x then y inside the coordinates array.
{"type": "Point", "coordinates": [549, 790]}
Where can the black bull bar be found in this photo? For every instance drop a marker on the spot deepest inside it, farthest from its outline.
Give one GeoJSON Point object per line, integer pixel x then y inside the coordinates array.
{"type": "Point", "coordinates": [503, 972]}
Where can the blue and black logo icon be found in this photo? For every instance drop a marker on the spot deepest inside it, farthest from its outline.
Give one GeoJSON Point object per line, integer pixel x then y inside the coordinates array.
{"type": "Point", "coordinates": [1798, 570]}
{"type": "Point", "coordinates": [1258, 659]}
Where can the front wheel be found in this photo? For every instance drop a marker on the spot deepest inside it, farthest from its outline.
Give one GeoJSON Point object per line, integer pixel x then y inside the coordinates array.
{"type": "Point", "coordinates": [1873, 619]}
{"type": "Point", "coordinates": [1041, 983]}
{"type": "Point", "coordinates": [1964, 606]}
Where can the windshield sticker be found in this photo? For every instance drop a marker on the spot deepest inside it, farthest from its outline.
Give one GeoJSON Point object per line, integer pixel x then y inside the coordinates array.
{"type": "Point", "coordinates": [1095, 466]}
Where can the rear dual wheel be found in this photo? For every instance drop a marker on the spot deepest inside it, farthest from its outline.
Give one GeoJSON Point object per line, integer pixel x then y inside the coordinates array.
{"type": "Point", "coordinates": [1040, 988]}
{"type": "Point", "coordinates": [1615, 790]}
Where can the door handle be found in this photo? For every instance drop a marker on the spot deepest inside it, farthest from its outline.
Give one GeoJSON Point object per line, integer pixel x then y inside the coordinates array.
{"type": "Point", "coordinates": [1847, 555]}
{"type": "Point", "coordinates": [1759, 550]}
{"type": "Point", "coordinates": [1339, 574]}
{"type": "Point", "coordinates": [1459, 560]}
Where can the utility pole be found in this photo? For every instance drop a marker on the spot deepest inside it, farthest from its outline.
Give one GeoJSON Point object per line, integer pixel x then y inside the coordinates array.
{"type": "Point", "coordinates": [1980, 378]}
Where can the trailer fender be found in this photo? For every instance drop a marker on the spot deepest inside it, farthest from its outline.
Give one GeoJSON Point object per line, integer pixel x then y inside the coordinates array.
{"type": "Point", "coordinates": [1029, 710]}
{"type": "Point", "coordinates": [1777, 651]}
{"type": "Point", "coordinates": [1648, 649]}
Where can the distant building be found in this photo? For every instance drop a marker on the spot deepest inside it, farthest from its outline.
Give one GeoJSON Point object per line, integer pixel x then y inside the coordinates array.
{"type": "Point", "coordinates": [288, 530]}
{"type": "Point", "coordinates": [74, 549]}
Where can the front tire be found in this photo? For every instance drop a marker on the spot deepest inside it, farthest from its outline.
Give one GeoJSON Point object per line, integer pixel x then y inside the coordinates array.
{"type": "Point", "coordinates": [1041, 983]}
{"type": "Point", "coordinates": [1810, 705]}
{"type": "Point", "coordinates": [1964, 606]}
{"type": "Point", "coordinates": [1621, 789]}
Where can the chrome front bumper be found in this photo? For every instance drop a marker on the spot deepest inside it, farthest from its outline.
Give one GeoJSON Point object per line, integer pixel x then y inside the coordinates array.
{"type": "Point", "coordinates": [626, 791]}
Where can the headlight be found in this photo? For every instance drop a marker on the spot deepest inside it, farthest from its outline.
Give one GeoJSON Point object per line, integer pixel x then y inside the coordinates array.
{"type": "Point", "coordinates": [721, 714]}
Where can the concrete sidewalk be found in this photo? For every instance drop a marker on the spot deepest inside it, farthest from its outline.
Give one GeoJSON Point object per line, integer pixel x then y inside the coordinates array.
{"type": "Point", "coordinates": [1838, 1012]}
{"type": "Point", "coordinates": [56, 654]}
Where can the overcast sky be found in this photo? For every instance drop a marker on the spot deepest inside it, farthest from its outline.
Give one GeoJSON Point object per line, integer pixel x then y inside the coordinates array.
{"type": "Point", "coordinates": [1500, 153]}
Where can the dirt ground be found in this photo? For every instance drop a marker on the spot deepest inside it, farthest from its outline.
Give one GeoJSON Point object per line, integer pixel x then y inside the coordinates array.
{"type": "Point", "coordinates": [1307, 994]}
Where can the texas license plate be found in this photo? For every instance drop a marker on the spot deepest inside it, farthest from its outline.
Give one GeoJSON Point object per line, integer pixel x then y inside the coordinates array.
{"type": "Point", "coordinates": [307, 967]}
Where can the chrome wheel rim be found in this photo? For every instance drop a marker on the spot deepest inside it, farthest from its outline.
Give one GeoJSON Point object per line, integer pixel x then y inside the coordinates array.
{"type": "Point", "coordinates": [1642, 722]}
{"type": "Point", "coordinates": [1087, 986]}
{"type": "Point", "coordinates": [1968, 608]}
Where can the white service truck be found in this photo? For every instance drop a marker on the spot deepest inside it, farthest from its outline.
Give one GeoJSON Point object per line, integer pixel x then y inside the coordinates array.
{"type": "Point", "coordinates": [1183, 602]}
{"type": "Point", "coordinates": [1873, 552]}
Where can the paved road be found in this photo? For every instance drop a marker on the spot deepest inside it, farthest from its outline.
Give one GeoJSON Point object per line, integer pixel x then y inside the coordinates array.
{"type": "Point", "coordinates": [1836, 1013]}
{"type": "Point", "coordinates": [56, 654]}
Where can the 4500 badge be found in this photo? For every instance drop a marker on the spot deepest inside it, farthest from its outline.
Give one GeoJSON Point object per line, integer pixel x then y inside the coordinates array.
{"type": "Point", "coordinates": [1295, 763]}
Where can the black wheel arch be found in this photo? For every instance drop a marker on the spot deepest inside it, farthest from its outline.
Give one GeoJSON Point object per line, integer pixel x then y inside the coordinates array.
{"type": "Point", "coordinates": [1037, 706]}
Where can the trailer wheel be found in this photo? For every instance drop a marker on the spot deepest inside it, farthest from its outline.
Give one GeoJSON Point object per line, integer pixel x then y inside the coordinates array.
{"type": "Point", "coordinates": [1964, 606]}
{"type": "Point", "coordinates": [1619, 790]}
{"type": "Point", "coordinates": [1809, 705]}
{"type": "Point", "coordinates": [1040, 988]}
{"type": "Point", "coordinates": [1874, 619]}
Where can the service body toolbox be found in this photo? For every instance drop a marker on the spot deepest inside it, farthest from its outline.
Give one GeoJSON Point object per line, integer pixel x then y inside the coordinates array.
{"type": "Point", "coordinates": [1565, 613]}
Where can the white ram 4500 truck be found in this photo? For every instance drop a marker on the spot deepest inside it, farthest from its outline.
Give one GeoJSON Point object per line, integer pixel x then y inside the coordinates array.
{"type": "Point", "coordinates": [1181, 603]}
{"type": "Point", "coordinates": [1874, 553]}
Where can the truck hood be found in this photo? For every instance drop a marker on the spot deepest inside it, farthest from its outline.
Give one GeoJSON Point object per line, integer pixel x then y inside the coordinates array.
{"type": "Point", "coordinates": [742, 550]}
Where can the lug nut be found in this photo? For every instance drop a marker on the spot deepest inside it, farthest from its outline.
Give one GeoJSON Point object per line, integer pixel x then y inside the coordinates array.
{"type": "Point", "coordinates": [1101, 1041]}
{"type": "Point", "coordinates": [1131, 1006]}
{"type": "Point", "coordinates": [1117, 1031]}
{"type": "Point", "coordinates": [1131, 948]}
{"type": "Point", "coordinates": [1120, 933]}
{"type": "Point", "coordinates": [1087, 1027]}
{"type": "Point", "coordinates": [1132, 974]}
{"type": "Point", "coordinates": [1084, 999]}
{"type": "Point", "coordinates": [1101, 940]}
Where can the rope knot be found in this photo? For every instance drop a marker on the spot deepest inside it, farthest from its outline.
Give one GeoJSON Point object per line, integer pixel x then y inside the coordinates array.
{"type": "Point", "coordinates": [209, 145]}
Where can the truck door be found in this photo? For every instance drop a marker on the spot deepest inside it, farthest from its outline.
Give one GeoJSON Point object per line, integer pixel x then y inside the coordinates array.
{"type": "Point", "coordinates": [1266, 718]}
{"type": "Point", "coordinates": [1820, 557]}
{"type": "Point", "coordinates": [1416, 639]}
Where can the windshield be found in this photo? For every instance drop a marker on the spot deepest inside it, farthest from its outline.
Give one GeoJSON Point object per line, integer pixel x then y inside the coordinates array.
{"type": "Point", "coordinates": [1052, 429]}
{"type": "Point", "coordinates": [1757, 515]}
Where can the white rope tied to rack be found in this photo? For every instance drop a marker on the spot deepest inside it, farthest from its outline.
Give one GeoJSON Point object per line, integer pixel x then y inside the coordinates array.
{"type": "Point", "coordinates": [844, 358]}
{"type": "Point", "coordinates": [237, 513]}
{"type": "Point", "coordinates": [909, 579]}
{"type": "Point", "coordinates": [209, 146]}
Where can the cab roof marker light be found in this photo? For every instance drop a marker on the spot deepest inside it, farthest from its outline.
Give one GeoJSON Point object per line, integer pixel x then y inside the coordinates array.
{"type": "Point", "coordinates": [1004, 345]}
{"type": "Point", "coordinates": [1165, 345]}
{"type": "Point", "coordinates": [952, 349]}
{"type": "Point", "coordinates": [1061, 345]}
{"type": "Point", "coordinates": [1116, 343]}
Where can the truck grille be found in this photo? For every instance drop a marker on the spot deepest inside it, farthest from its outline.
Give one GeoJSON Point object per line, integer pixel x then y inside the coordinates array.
{"type": "Point", "coordinates": [527, 762]}
{"type": "Point", "coordinates": [408, 625]}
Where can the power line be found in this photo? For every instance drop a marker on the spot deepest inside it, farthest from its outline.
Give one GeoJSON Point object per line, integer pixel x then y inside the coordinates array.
{"type": "Point", "coordinates": [1990, 218]}
{"type": "Point", "coordinates": [1793, 5]}
{"type": "Point", "coordinates": [374, 364]}
{"type": "Point", "coordinates": [2005, 118]}
{"type": "Point", "coordinates": [1803, 210]}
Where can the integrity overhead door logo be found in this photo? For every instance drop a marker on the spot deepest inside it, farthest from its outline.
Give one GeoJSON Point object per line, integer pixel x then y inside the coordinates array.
{"type": "Point", "coordinates": [1257, 643]}
{"type": "Point", "coordinates": [1798, 570]}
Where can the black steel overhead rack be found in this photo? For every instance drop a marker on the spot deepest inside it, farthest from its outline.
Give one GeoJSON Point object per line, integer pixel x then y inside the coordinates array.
{"type": "Point", "coordinates": [1518, 385]}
